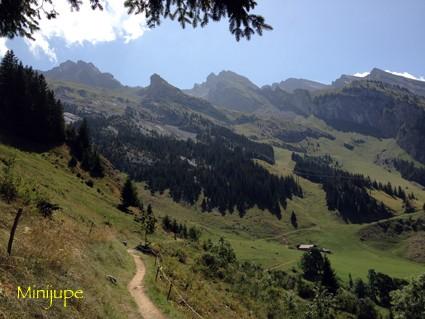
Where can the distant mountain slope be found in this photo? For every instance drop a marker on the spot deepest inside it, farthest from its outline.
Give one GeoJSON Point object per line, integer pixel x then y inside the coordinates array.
{"type": "Point", "coordinates": [414, 86]}
{"type": "Point", "coordinates": [344, 80]}
{"type": "Point", "coordinates": [298, 102]}
{"type": "Point", "coordinates": [231, 91]}
{"type": "Point", "coordinates": [160, 95]}
{"type": "Point", "coordinates": [376, 109]}
{"type": "Point", "coordinates": [373, 107]}
{"type": "Point", "coordinates": [83, 72]}
{"type": "Point", "coordinates": [292, 84]}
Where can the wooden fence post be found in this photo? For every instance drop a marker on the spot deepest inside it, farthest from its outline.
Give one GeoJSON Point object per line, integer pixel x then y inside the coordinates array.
{"type": "Point", "coordinates": [91, 227]}
{"type": "Point", "coordinates": [169, 291]}
{"type": "Point", "coordinates": [157, 273]}
{"type": "Point", "coordinates": [13, 230]}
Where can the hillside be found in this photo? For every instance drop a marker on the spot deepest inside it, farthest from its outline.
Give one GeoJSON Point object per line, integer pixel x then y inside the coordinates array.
{"type": "Point", "coordinates": [231, 196]}
{"type": "Point", "coordinates": [376, 109]}
{"type": "Point", "coordinates": [77, 248]}
{"type": "Point", "coordinates": [106, 255]}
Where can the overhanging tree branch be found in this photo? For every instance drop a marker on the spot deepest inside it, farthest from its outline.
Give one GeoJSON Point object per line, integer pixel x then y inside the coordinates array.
{"type": "Point", "coordinates": [21, 17]}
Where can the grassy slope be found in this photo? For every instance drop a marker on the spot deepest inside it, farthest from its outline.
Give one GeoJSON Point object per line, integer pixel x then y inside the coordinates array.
{"type": "Point", "coordinates": [320, 226]}
{"type": "Point", "coordinates": [60, 251]}
{"type": "Point", "coordinates": [258, 237]}
{"type": "Point", "coordinates": [262, 238]}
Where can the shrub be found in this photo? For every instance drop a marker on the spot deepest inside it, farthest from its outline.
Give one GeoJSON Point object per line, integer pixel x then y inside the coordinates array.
{"type": "Point", "coordinates": [90, 183]}
{"type": "Point", "coordinates": [46, 208]}
{"type": "Point", "coordinates": [72, 162]}
{"type": "Point", "coordinates": [8, 184]}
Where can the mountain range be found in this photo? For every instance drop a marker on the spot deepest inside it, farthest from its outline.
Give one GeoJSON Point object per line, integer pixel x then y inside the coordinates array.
{"type": "Point", "coordinates": [381, 104]}
{"type": "Point", "coordinates": [87, 73]}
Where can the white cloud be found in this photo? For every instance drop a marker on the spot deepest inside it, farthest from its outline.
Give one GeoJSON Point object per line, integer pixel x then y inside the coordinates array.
{"type": "Point", "coordinates": [361, 74]}
{"type": "Point", "coordinates": [407, 75]}
{"type": "Point", "coordinates": [41, 43]}
{"type": "Point", "coordinates": [3, 47]}
{"type": "Point", "coordinates": [87, 25]}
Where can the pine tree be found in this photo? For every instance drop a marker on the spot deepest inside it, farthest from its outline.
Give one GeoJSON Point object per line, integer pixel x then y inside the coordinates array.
{"type": "Point", "coordinates": [312, 265]}
{"type": "Point", "coordinates": [148, 222]}
{"type": "Point", "coordinates": [408, 206]}
{"type": "Point", "coordinates": [294, 220]}
{"type": "Point", "coordinates": [129, 195]}
{"type": "Point", "coordinates": [81, 145]}
{"type": "Point", "coordinates": [204, 205]}
{"type": "Point", "coordinates": [84, 135]}
{"type": "Point", "coordinates": [329, 279]}
{"type": "Point", "coordinates": [166, 223]}
{"type": "Point", "coordinates": [175, 226]}
{"type": "Point", "coordinates": [96, 169]}
{"type": "Point", "coordinates": [194, 234]}
{"type": "Point", "coordinates": [360, 289]}
{"type": "Point", "coordinates": [28, 109]}
{"type": "Point", "coordinates": [350, 282]}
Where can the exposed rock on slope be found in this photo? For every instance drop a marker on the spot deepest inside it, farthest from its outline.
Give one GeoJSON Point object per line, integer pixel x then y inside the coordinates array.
{"type": "Point", "coordinates": [379, 110]}
{"type": "Point", "coordinates": [83, 72]}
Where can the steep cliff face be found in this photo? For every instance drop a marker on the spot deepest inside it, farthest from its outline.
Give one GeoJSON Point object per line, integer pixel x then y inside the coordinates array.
{"type": "Point", "coordinates": [376, 109]}
{"type": "Point", "coordinates": [411, 135]}
{"type": "Point", "coordinates": [299, 102]}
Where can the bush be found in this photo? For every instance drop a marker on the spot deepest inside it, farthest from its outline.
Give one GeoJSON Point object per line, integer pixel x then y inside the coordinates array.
{"type": "Point", "coordinates": [366, 309]}
{"type": "Point", "coordinates": [72, 162]}
{"type": "Point", "coordinates": [90, 183]}
{"type": "Point", "coordinates": [8, 187]}
{"type": "Point", "coordinates": [181, 256]}
{"type": "Point", "coordinates": [46, 208]}
{"type": "Point", "coordinates": [346, 301]}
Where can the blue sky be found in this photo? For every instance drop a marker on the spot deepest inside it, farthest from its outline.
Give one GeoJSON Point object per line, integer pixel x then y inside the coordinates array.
{"type": "Point", "coordinates": [313, 39]}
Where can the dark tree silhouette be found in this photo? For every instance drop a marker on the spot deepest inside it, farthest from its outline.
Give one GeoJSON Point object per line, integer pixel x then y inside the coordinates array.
{"type": "Point", "coordinates": [410, 171]}
{"type": "Point", "coordinates": [380, 287]}
{"type": "Point", "coordinates": [329, 279]}
{"type": "Point", "coordinates": [294, 220]}
{"type": "Point", "coordinates": [129, 195]}
{"type": "Point", "coordinates": [346, 192]}
{"type": "Point", "coordinates": [82, 148]}
{"type": "Point", "coordinates": [312, 265]}
{"type": "Point", "coordinates": [46, 208]}
{"type": "Point", "coordinates": [21, 17]}
{"type": "Point", "coordinates": [148, 221]}
{"type": "Point", "coordinates": [219, 167]}
{"type": "Point", "coordinates": [360, 289]}
{"type": "Point", "coordinates": [28, 109]}
{"type": "Point", "coordinates": [180, 230]}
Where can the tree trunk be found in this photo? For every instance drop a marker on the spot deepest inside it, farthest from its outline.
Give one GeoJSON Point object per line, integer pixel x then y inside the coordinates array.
{"type": "Point", "coordinates": [13, 230]}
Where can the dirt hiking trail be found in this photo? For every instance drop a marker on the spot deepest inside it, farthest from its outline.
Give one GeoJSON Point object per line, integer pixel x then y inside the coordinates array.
{"type": "Point", "coordinates": [136, 288]}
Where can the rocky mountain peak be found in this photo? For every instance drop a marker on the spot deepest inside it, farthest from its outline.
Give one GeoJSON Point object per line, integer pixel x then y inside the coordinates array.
{"type": "Point", "coordinates": [84, 73]}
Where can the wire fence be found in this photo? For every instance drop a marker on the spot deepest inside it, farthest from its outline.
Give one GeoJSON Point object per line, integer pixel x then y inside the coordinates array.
{"type": "Point", "coordinates": [172, 287]}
